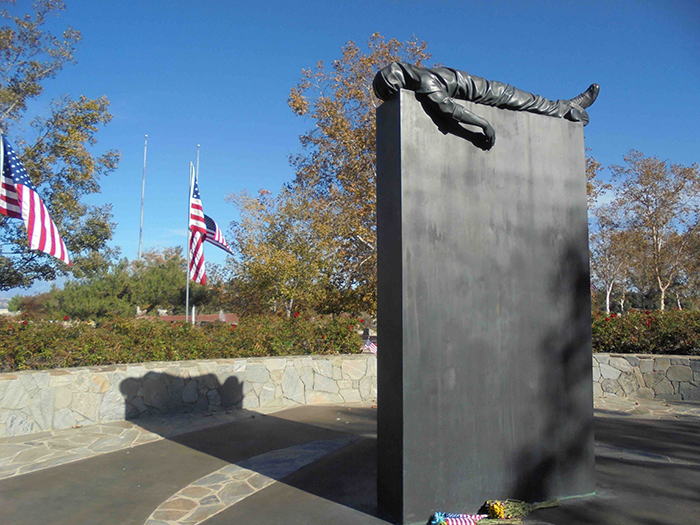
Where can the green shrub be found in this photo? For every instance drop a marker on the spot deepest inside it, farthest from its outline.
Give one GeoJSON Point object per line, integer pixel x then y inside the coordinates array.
{"type": "Point", "coordinates": [648, 332]}
{"type": "Point", "coordinates": [42, 345]}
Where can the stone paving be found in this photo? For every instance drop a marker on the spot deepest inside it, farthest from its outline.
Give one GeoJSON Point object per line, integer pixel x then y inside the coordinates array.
{"type": "Point", "coordinates": [24, 454]}
{"type": "Point", "coordinates": [219, 490]}
{"type": "Point", "coordinates": [646, 408]}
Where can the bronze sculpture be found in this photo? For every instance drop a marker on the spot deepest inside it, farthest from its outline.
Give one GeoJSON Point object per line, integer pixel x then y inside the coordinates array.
{"type": "Point", "coordinates": [437, 88]}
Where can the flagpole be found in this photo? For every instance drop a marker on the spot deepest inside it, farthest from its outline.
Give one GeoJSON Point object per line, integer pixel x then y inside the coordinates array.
{"type": "Point", "coordinates": [189, 235]}
{"type": "Point", "coordinates": [197, 172]}
{"type": "Point", "coordinates": [143, 192]}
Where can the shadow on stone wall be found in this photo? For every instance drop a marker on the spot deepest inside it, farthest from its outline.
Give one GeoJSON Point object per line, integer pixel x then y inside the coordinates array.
{"type": "Point", "coordinates": [446, 126]}
{"type": "Point", "coordinates": [563, 465]}
{"type": "Point", "coordinates": [157, 393]}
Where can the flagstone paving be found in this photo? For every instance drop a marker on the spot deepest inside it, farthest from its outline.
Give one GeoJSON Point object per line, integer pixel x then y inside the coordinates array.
{"type": "Point", "coordinates": [219, 490]}
{"type": "Point", "coordinates": [613, 406]}
{"type": "Point", "coordinates": [24, 454]}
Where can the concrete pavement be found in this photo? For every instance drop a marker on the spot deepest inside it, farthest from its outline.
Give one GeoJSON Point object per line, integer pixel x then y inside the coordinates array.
{"type": "Point", "coordinates": [313, 464]}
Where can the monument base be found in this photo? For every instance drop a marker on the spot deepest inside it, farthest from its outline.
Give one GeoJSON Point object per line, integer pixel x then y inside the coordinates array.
{"type": "Point", "coordinates": [484, 361]}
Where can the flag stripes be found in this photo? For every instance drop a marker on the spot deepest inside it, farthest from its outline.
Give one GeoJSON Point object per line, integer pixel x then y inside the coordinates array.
{"type": "Point", "coordinates": [197, 272]}
{"type": "Point", "coordinates": [464, 519]}
{"type": "Point", "coordinates": [197, 223]}
{"type": "Point", "coordinates": [9, 200]}
{"type": "Point", "coordinates": [442, 518]}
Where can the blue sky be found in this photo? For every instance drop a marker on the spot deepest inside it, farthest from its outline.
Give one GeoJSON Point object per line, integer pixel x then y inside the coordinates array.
{"type": "Point", "coordinates": [218, 74]}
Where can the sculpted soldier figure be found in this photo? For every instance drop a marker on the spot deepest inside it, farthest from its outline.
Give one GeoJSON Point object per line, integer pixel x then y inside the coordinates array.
{"type": "Point", "coordinates": [438, 87]}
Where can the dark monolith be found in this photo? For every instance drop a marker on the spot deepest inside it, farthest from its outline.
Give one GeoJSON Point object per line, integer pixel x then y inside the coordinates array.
{"type": "Point", "coordinates": [484, 342]}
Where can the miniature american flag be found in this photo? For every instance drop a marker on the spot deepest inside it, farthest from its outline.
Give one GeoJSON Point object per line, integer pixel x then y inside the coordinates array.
{"type": "Point", "coordinates": [370, 347]}
{"type": "Point", "coordinates": [442, 518]}
{"type": "Point", "coordinates": [19, 199]}
{"type": "Point", "coordinates": [214, 235]}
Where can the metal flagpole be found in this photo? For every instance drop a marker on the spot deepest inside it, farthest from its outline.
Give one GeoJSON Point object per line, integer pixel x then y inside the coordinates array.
{"type": "Point", "coordinates": [189, 235]}
{"type": "Point", "coordinates": [143, 192]}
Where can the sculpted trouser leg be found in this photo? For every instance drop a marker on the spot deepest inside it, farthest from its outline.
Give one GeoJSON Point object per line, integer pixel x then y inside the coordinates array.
{"type": "Point", "coordinates": [505, 96]}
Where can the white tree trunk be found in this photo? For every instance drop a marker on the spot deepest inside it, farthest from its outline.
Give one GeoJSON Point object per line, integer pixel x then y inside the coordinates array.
{"type": "Point", "coordinates": [608, 293]}
{"type": "Point", "coordinates": [663, 298]}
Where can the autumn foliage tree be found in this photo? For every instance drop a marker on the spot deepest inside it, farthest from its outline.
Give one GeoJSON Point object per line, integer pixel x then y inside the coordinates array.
{"type": "Point", "coordinates": [282, 260]}
{"type": "Point", "coordinates": [337, 168]}
{"type": "Point", "coordinates": [660, 205]}
{"type": "Point", "coordinates": [57, 154]}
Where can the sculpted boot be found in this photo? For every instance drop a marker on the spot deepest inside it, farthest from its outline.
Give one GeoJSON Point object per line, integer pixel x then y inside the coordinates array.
{"type": "Point", "coordinates": [577, 105]}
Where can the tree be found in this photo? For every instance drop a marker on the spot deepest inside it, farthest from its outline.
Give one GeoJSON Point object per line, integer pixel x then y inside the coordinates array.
{"type": "Point", "coordinates": [660, 206]}
{"type": "Point", "coordinates": [108, 294]}
{"type": "Point", "coordinates": [158, 278]}
{"type": "Point", "coordinates": [157, 281]}
{"type": "Point", "coordinates": [337, 166]}
{"type": "Point", "coordinates": [688, 285]}
{"type": "Point", "coordinates": [33, 306]}
{"type": "Point", "coordinates": [282, 262]}
{"type": "Point", "coordinates": [57, 157]}
{"type": "Point", "coordinates": [594, 186]}
{"type": "Point", "coordinates": [608, 252]}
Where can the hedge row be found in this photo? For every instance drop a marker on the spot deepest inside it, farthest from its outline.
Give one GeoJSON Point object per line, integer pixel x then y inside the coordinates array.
{"type": "Point", "coordinates": [42, 345]}
{"type": "Point", "coordinates": [25, 344]}
{"type": "Point", "coordinates": [671, 332]}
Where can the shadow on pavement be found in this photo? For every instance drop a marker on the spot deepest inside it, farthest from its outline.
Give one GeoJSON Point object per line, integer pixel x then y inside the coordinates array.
{"type": "Point", "coordinates": [346, 476]}
{"type": "Point", "coordinates": [649, 474]}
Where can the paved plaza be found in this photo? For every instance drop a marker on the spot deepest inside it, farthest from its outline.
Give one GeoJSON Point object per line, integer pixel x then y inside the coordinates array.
{"type": "Point", "coordinates": [314, 464]}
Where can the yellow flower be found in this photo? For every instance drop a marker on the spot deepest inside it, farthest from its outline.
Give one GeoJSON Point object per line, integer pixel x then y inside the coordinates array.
{"type": "Point", "coordinates": [496, 509]}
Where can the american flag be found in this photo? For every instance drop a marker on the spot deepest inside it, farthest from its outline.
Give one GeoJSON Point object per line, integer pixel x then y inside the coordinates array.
{"type": "Point", "coordinates": [19, 199]}
{"type": "Point", "coordinates": [370, 347]}
{"type": "Point", "coordinates": [215, 236]}
{"type": "Point", "coordinates": [197, 273]}
{"type": "Point", "coordinates": [198, 232]}
{"type": "Point", "coordinates": [197, 223]}
{"type": "Point", "coordinates": [442, 518]}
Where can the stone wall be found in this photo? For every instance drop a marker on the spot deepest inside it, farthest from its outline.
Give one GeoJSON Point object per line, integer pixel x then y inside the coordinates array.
{"type": "Point", "coordinates": [36, 401]}
{"type": "Point", "coordinates": [647, 376]}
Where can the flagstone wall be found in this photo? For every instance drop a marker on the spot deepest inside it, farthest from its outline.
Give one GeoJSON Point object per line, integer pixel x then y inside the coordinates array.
{"type": "Point", "coordinates": [646, 376]}
{"type": "Point", "coordinates": [36, 401]}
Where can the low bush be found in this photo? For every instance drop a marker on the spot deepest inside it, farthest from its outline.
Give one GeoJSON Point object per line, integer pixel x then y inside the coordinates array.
{"type": "Point", "coordinates": [672, 332]}
{"type": "Point", "coordinates": [25, 344]}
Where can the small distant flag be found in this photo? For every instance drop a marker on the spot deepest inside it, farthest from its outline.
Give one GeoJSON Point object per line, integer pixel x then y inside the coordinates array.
{"type": "Point", "coordinates": [370, 347]}
{"type": "Point", "coordinates": [214, 235]}
{"type": "Point", "coordinates": [19, 199]}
